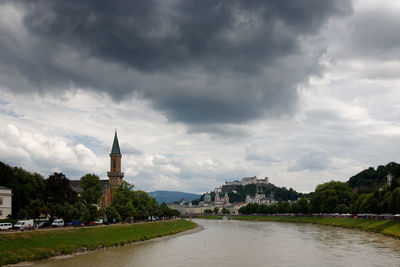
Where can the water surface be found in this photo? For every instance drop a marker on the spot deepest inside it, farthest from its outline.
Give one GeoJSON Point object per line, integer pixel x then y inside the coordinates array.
{"type": "Point", "coordinates": [241, 243]}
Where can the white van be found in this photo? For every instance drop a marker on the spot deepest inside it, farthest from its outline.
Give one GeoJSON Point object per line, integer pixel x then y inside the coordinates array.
{"type": "Point", "coordinates": [5, 226]}
{"type": "Point", "coordinates": [58, 223]}
{"type": "Point", "coordinates": [24, 224]}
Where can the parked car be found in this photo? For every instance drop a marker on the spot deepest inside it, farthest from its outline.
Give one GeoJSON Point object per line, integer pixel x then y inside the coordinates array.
{"type": "Point", "coordinates": [43, 225]}
{"type": "Point", "coordinates": [5, 226]}
{"type": "Point", "coordinates": [24, 224]}
{"type": "Point", "coordinates": [58, 223]}
{"type": "Point", "coordinates": [74, 223]}
{"type": "Point", "coordinates": [98, 221]}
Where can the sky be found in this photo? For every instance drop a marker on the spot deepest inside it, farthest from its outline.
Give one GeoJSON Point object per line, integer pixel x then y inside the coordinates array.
{"type": "Point", "coordinates": [201, 92]}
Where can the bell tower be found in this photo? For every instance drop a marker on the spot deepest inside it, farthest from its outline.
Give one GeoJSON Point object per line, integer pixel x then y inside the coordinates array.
{"type": "Point", "coordinates": [115, 175]}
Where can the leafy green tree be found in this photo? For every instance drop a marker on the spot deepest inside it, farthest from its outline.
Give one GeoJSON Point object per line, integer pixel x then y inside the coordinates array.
{"type": "Point", "coordinates": [58, 190]}
{"type": "Point", "coordinates": [91, 213]}
{"type": "Point", "coordinates": [112, 214]}
{"type": "Point", "coordinates": [25, 186]}
{"type": "Point", "coordinates": [395, 203]}
{"type": "Point", "coordinates": [329, 195]}
{"type": "Point", "coordinates": [208, 211]}
{"type": "Point", "coordinates": [22, 214]}
{"type": "Point", "coordinates": [301, 206]}
{"type": "Point", "coordinates": [384, 205]}
{"type": "Point", "coordinates": [342, 208]}
{"type": "Point", "coordinates": [35, 208]}
{"type": "Point", "coordinates": [361, 203]}
{"type": "Point", "coordinates": [91, 189]}
{"type": "Point", "coordinates": [129, 203]}
{"type": "Point", "coordinates": [225, 211]}
{"type": "Point", "coordinates": [216, 210]}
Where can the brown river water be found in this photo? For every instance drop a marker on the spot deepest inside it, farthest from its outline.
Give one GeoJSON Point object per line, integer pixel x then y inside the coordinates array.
{"type": "Point", "coordinates": [240, 243]}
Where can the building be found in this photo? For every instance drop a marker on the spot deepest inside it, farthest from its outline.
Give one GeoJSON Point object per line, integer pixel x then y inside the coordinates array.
{"type": "Point", "coordinates": [221, 200]}
{"type": "Point", "coordinates": [260, 198]}
{"type": "Point", "coordinates": [115, 176]}
{"type": "Point", "coordinates": [5, 202]}
{"type": "Point", "coordinates": [232, 186]}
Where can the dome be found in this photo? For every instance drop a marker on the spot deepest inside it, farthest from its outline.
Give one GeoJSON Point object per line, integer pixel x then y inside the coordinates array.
{"type": "Point", "coordinates": [207, 197]}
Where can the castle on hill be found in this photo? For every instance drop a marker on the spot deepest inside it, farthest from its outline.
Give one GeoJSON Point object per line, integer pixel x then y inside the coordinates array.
{"type": "Point", "coordinates": [115, 176]}
{"type": "Point", "coordinates": [231, 186]}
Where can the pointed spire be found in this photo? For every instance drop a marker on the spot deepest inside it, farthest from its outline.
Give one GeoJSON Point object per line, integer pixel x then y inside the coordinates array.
{"type": "Point", "coordinates": [115, 146]}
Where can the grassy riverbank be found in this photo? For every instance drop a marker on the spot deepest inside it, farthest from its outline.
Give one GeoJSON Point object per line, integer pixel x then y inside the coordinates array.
{"type": "Point", "coordinates": [386, 227]}
{"type": "Point", "coordinates": [36, 245]}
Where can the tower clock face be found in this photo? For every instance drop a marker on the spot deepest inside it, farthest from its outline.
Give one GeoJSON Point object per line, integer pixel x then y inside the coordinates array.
{"type": "Point", "coordinates": [114, 181]}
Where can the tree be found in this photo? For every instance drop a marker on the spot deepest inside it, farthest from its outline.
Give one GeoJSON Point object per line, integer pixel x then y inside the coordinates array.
{"type": "Point", "coordinates": [112, 214]}
{"type": "Point", "coordinates": [329, 195]}
{"type": "Point", "coordinates": [395, 203]}
{"type": "Point", "coordinates": [35, 208]}
{"type": "Point", "coordinates": [225, 211]}
{"type": "Point", "coordinates": [129, 203]}
{"type": "Point", "coordinates": [301, 206]}
{"type": "Point", "coordinates": [216, 210]}
{"type": "Point", "coordinates": [22, 214]}
{"type": "Point", "coordinates": [59, 196]}
{"type": "Point", "coordinates": [208, 211]}
{"type": "Point", "coordinates": [25, 186]}
{"type": "Point", "coordinates": [384, 205]}
{"type": "Point", "coordinates": [91, 186]}
{"type": "Point", "coordinates": [58, 190]}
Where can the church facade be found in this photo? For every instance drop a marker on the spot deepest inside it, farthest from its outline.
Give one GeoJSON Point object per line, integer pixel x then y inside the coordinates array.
{"type": "Point", "coordinates": [115, 176]}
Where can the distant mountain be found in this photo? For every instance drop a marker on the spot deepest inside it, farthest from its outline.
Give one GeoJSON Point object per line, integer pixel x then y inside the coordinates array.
{"type": "Point", "coordinates": [172, 196]}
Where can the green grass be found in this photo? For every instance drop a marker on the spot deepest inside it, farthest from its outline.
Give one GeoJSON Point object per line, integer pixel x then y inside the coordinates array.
{"type": "Point", "coordinates": [386, 227]}
{"type": "Point", "coordinates": [36, 245]}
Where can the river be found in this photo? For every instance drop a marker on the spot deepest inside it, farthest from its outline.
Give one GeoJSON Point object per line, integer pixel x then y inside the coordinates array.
{"type": "Point", "coordinates": [240, 243]}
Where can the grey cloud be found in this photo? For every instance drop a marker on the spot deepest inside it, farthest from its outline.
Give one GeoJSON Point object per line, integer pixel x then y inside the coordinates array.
{"type": "Point", "coordinates": [199, 62]}
{"type": "Point", "coordinates": [311, 160]}
{"type": "Point", "coordinates": [376, 34]}
{"type": "Point", "coordinates": [261, 153]}
{"type": "Point", "coordinates": [227, 130]}
{"type": "Point", "coordinates": [130, 149]}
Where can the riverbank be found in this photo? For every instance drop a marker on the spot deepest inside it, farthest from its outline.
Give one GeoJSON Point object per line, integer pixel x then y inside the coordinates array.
{"type": "Point", "coordinates": [30, 246]}
{"type": "Point", "coordinates": [386, 227]}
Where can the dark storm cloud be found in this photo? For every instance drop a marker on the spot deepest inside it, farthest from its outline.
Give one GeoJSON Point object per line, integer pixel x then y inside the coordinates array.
{"type": "Point", "coordinates": [199, 62]}
{"type": "Point", "coordinates": [376, 33]}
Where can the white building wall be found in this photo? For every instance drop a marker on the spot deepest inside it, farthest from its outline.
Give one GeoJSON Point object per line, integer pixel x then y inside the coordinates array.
{"type": "Point", "coordinates": [5, 202]}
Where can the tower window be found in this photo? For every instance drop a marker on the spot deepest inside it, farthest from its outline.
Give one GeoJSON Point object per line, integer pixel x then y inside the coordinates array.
{"type": "Point", "coordinates": [114, 164]}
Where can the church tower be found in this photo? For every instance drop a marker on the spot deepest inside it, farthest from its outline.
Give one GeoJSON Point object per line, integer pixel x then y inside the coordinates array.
{"type": "Point", "coordinates": [115, 175]}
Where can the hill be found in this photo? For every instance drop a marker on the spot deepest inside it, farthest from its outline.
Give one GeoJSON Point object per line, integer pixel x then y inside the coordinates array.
{"type": "Point", "coordinates": [371, 178]}
{"type": "Point", "coordinates": [172, 196]}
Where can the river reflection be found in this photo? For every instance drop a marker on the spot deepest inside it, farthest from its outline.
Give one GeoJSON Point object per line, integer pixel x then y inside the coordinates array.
{"type": "Point", "coordinates": [238, 243]}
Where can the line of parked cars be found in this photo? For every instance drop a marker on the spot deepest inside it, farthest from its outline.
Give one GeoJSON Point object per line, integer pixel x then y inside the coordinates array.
{"type": "Point", "coordinates": [29, 224]}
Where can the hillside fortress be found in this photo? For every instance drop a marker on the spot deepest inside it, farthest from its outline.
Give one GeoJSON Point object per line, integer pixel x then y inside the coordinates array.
{"type": "Point", "coordinates": [232, 186]}
{"type": "Point", "coordinates": [115, 176]}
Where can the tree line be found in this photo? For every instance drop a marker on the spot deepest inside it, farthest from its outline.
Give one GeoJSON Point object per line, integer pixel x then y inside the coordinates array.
{"type": "Point", "coordinates": [337, 197]}
{"type": "Point", "coordinates": [33, 195]}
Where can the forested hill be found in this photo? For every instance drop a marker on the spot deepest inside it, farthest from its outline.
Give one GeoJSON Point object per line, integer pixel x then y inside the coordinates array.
{"type": "Point", "coordinates": [279, 193]}
{"type": "Point", "coordinates": [172, 196]}
{"type": "Point", "coordinates": [372, 178]}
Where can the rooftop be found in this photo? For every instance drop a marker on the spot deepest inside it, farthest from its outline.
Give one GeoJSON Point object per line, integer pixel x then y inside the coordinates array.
{"type": "Point", "coordinates": [3, 187]}
{"type": "Point", "coordinates": [76, 185]}
{"type": "Point", "coordinates": [115, 147]}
